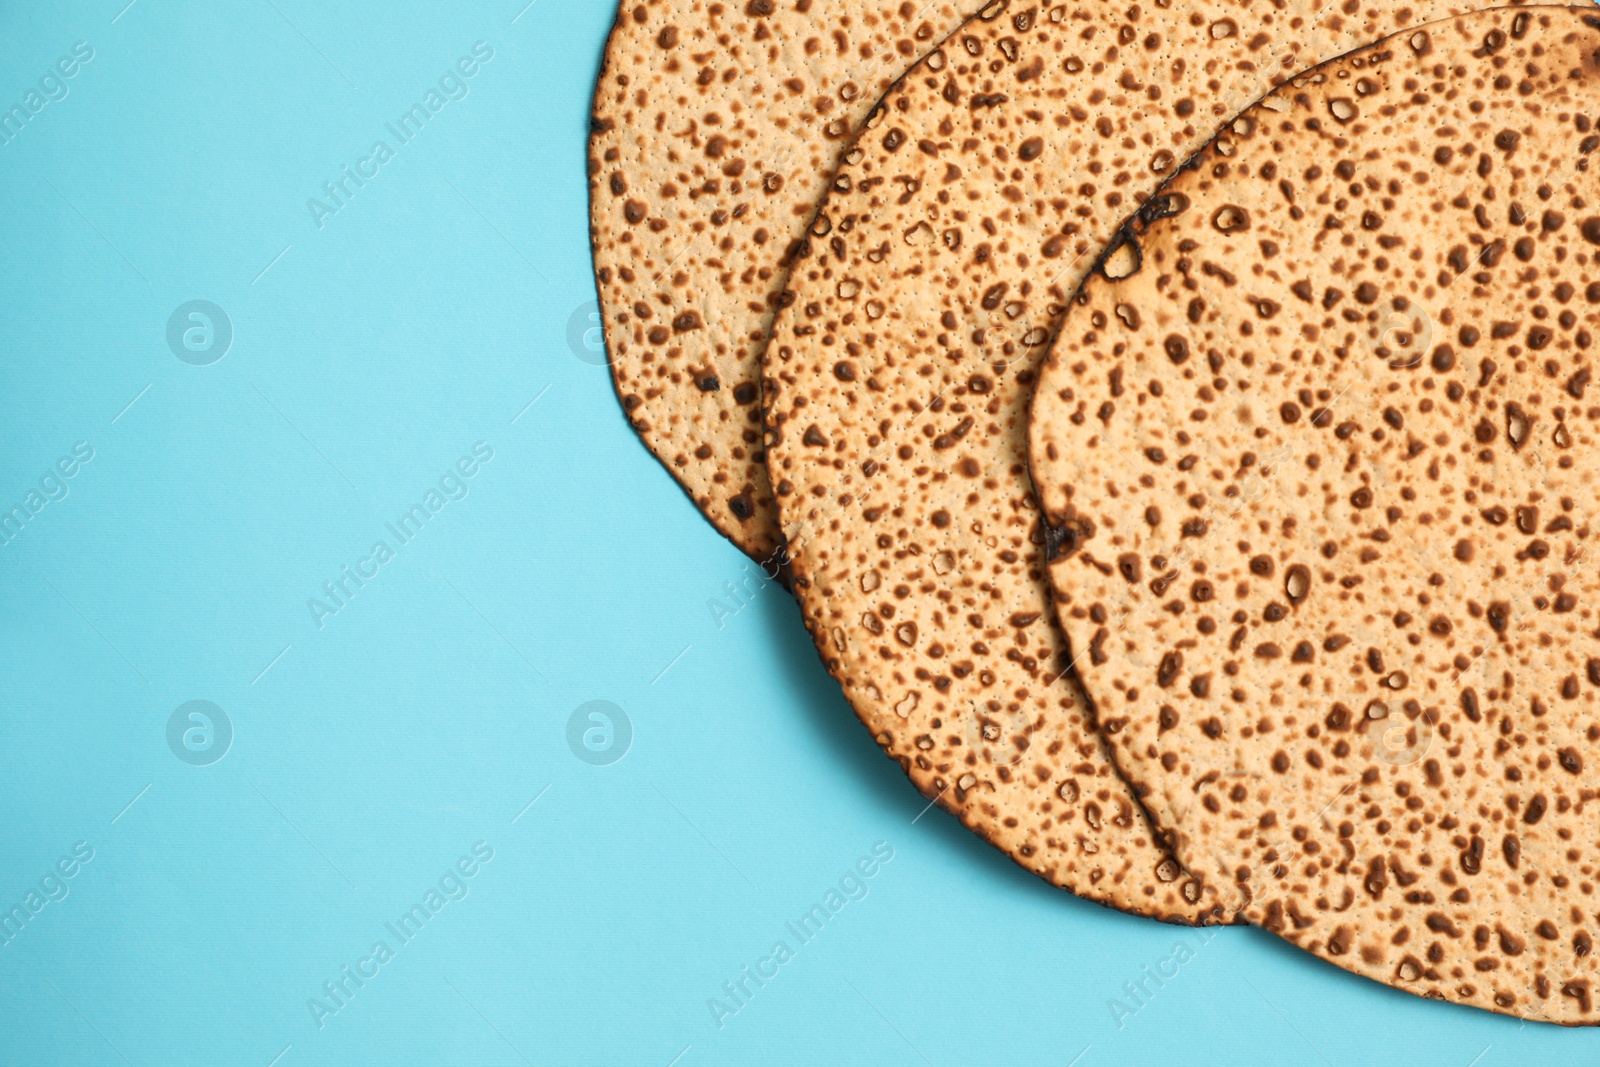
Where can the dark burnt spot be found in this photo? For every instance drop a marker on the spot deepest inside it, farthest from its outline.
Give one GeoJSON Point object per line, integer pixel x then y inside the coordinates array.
{"type": "Point", "coordinates": [953, 436]}
{"type": "Point", "coordinates": [1231, 218]}
{"type": "Point", "coordinates": [1061, 541]}
{"type": "Point", "coordinates": [1339, 717]}
{"type": "Point", "coordinates": [1297, 583]}
{"type": "Point", "coordinates": [1163, 206]}
{"type": "Point", "coordinates": [1472, 856]}
{"type": "Point", "coordinates": [1123, 258]}
{"type": "Point", "coordinates": [1167, 671]}
{"type": "Point", "coordinates": [1519, 424]}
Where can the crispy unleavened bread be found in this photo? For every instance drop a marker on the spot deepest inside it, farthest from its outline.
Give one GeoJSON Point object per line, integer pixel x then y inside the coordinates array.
{"type": "Point", "coordinates": [897, 380]}
{"type": "Point", "coordinates": [1316, 448]}
{"type": "Point", "coordinates": [716, 129]}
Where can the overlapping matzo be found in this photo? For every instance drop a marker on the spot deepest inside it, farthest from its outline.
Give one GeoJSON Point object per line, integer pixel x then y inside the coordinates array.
{"type": "Point", "coordinates": [716, 128]}
{"type": "Point", "coordinates": [1321, 474]}
{"type": "Point", "coordinates": [896, 386]}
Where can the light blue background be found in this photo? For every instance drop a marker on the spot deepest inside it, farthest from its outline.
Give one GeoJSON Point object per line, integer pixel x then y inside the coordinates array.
{"type": "Point", "coordinates": [368, 355]}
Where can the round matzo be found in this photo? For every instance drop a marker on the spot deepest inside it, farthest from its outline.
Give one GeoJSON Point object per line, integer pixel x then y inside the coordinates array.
{"type": "Point", "coordinates": [716, 128]}
{"type": "Point", "coordinates": [1317, 460]}
{"type": "Point", "coordinates": [896, 386]}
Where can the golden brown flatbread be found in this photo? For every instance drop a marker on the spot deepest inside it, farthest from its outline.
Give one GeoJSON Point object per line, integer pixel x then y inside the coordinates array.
{"type": "Point", "coordinates": [896, 387]}
{"type": "Point", "coordinates": [1317, 450]}
{"type": "Point", "coordinates": [716, 128]}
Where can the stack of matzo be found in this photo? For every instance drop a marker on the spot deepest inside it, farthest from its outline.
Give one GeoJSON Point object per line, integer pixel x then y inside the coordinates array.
{"type": "Point", "coordinates": [1309, 435]}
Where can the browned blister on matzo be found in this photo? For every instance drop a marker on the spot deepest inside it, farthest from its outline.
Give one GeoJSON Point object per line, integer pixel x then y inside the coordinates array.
{"type": "Point", "coordinates": [716, 129]}
{"type": "Point", "coordinates": [897, 381]}
{"type": "Point", "coordinates": [1321, 477]}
